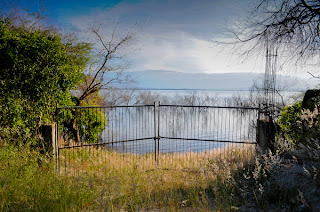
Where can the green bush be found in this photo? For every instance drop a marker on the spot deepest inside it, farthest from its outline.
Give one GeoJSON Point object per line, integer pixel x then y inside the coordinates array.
{"type": "Point", "coordinates": [89, 121]}
{"type": "Point", "coordinates": [299, 123]}
{"type": "Point", "coordinates": [37, 72]}
{"type": "Point", "coordinates": [288, 122]}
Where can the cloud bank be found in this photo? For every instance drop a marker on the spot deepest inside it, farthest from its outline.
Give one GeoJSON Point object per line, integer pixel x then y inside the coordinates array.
{"type": "Point", "coordinates": [174, 35]}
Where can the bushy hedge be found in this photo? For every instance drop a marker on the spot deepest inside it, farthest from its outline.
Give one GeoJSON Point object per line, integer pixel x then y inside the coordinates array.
{"type": "Point", "coordinates": [37, 72]}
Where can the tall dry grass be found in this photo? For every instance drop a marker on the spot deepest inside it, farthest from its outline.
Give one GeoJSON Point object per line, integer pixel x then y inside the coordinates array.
{"type": "Point", "coordinates": [96, 179]}
{"type": "Point", "coordinates": [173, 181]}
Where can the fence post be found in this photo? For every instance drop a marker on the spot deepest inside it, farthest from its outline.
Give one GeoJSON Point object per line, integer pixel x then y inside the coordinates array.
{"type": "Point", "coordinates": [155, 132]}
{"type": "Point", "coordinates": [158, 130]}
{"type": "Point", "coordinates": [266, 134]}
{"type": "Point", "coordinates": [56, 153]}
{"type": "Point", "coordinates": [48, 132]}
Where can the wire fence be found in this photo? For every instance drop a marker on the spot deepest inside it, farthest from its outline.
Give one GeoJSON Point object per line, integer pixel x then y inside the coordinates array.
{"type": "Point", "coordinates": [152, 135]}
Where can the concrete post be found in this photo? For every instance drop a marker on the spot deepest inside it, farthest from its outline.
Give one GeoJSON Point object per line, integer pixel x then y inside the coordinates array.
{"type": "Point", "coordinates": [266, 134]}
{"type": "Point", "coordinates": [48, 132]}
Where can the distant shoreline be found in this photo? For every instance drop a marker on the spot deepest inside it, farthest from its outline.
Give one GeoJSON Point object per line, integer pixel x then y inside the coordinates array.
{"type": "Point", "coordinates": [193, 89]}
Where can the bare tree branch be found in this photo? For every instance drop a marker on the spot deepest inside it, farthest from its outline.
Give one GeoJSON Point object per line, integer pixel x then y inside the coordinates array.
{"type": "Point", "coordinates": [313, 75]}
{"type": "Point", "coordinates": [292, 25]}
{"type": "Point", "coordinates": [94, 84]}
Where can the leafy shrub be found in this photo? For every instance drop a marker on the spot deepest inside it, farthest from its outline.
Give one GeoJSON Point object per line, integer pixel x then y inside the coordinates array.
{"type": "Point", "coordinates": [37, 72]}
{"type": "Point", "coordinates": [299, 123]}
{"type": "Point", "coordinates": [90, 122]}
{"type": "Point", "coordinates": [288, 123]}
{"type": "Point", "coordinates": [309, 128]}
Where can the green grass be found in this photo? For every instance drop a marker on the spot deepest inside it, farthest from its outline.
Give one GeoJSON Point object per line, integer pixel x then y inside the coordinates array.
{"type": "Point", "coordinates": [28, 182]}
{"type": "Point", "coordinates": [103, 180]}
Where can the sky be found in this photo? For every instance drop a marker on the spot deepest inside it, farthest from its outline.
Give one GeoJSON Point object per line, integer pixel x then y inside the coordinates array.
{"type": "Point", "coordinates": [171, 35]}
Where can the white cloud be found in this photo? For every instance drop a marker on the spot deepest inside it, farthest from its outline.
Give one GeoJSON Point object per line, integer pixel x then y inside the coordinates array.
{"type": "Point", "coordinates": [174, 36]}
{"type": "Point", "coordinates": [182, 52]}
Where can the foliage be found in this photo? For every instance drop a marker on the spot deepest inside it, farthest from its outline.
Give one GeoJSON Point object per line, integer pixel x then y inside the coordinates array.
{"type": "Point", "coordinates": [299, 123]}
{"type": "Point", "coordinates": [273, 183]}
{"type": "Point", "coordinates": [128, 181]}
{"type": "Point", "coordinates": [311, 99]}
{"type": "Point", "coordinates": [41, 64]}
{"type": "Point", "coordinates": [101, 180]}
{"type": "Point", "coordinates": [309, 127]}
{"type": "Point", "coordinates": [288, 122]}
{"type": "Point", "coordinates": [90, 122]}
{"type": "Point", "coordinates": [37, 73]}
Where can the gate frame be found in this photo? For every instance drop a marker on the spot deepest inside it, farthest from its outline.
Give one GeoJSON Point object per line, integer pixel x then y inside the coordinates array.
{"type": "Point", "coordinates": [156, 122]}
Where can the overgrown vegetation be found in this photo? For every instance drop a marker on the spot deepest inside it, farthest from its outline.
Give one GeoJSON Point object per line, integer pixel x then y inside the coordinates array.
{"type": "Point", "coordinates": [28, 182]}
{"type": "Point", "coordinates": [299, 123]}
{"type": "Point", "coordinates": [96, 181]}
{"type": "Point", "coordinates": [39, 68]}
{"type": "Point", "coordinates": [37, 73]}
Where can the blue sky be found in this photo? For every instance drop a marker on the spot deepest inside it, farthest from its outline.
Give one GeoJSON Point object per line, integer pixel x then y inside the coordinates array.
{"type": "Point", "coordinates": [172, 35]}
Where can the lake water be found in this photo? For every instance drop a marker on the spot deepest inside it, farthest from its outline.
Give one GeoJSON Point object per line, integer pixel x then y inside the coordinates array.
{"type": "Point", "coordinates": [290, 96]}
{"type": "Point", "coordinates": [193, 97]}
{"type": "Point", "coordinates": [182, 129]}
{"type": "Point", "coordinates": [178, 128]}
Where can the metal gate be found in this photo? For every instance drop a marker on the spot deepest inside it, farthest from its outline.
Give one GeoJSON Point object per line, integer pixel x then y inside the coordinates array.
{"type": "Point", "coordinates": [145, 135]}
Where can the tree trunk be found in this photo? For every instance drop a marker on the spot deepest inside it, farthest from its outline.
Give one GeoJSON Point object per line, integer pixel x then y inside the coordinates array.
{"type": "Point", "coordinates": [74, 129]}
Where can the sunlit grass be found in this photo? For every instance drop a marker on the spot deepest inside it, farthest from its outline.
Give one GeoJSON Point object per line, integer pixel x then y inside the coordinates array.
{"type": "Point", "coordinates": [175, 180]}
{"type": "Point", "coordinates": [28, 182]}
{"type": "Point", "coordinates": [97, 179]}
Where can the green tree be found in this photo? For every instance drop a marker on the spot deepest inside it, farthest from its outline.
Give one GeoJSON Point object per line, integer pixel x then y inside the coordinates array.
{"type": "Point", "coordinates": [37, 72]}
{"type": "Point", "coordinates": [43, 63]}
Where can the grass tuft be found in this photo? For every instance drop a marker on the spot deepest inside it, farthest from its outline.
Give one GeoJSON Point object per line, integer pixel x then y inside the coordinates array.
{"type": "Point", "coordinates": [104, 180]}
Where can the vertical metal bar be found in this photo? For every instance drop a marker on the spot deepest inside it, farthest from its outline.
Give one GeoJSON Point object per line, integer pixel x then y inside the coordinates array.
{"type": "Point", "coordinates": [56, 143]}
{"type": "Point", "coordinates": [136, 132]}
{"type": "Point", "coordinates": [88, 115]}
{"type": "Point", "coordinates": [97, 142]}
{"type": "Point", "coordinates": [199, 123]}
{"type": "Point", "coordinates": [159, 130]}
{"type": "Point", "coordinates": [106, 121]}
{"type": "Point", "coordinates": [258, 131]}
{"type": "Point", "coordinates": [155, 132]}
{"type": "Point", "coordinates": [228, 130]}
{"type": "Point", "coordinates": [113, 127]}
{"type": "Point", "coordinates": [121, 132]}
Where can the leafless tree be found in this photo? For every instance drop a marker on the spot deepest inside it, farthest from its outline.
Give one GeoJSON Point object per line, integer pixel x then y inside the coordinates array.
{"type": "Point", "coordinates": [95, 79]}
{"type": "Point", "coordinates": [29, 17]}
{"type": "Point", "coordinates": [291, 26]}
{"type": "Point", "coordinates": [106, 68]}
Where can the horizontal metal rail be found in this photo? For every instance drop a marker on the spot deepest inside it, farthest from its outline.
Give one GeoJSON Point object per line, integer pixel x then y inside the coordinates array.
{"type": "Point", "coordinates": [128, 106]}
{"type": "Point", "coordinates": [208, 140]}
{"type": "Point", "coordinates": [246, 108]}
{"type": "Point", "coordinates": [111, 106]}
{"type": "Point", "coordinates": [109, 142]}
